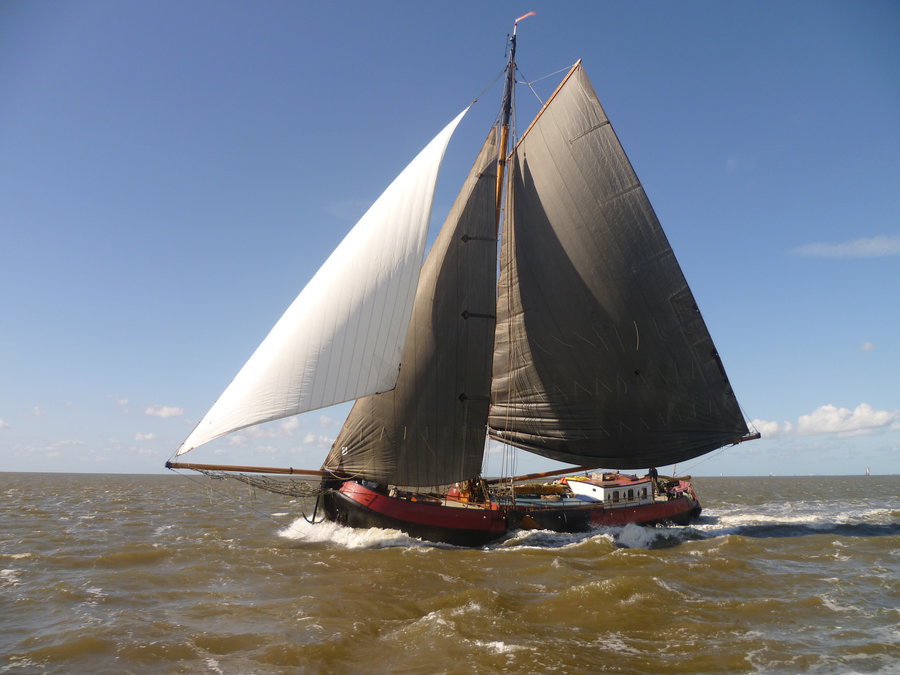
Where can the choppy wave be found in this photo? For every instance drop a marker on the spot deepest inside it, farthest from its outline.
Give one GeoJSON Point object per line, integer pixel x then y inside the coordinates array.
{"type": "Point", "coordinates": [164, 578]}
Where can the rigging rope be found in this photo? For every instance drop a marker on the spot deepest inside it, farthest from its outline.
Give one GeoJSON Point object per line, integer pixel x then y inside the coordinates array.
{"type": "Point", "coordinates": [493, 82]}
{"type": "Point", "coordinates": [529, 83]}
{"type": "Point", "coordinates": [289, 487]}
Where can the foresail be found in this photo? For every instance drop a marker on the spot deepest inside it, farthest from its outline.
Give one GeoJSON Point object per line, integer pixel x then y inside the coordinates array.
{"type": "Point", "coordinates": [342, 336]}
{"type": "Point", "coordinates": [430, 429]}
{"type": "Point", "coordinates": [601, 357]}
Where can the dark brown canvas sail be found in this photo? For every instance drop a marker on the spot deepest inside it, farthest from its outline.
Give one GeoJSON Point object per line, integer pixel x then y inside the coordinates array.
{"type": "Point", "coordinates": [430, 429]}
{"type": "Point", "coordinates": [601, 357]}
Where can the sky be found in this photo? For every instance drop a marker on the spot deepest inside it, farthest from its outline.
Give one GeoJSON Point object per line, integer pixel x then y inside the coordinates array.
{"type": "Point", "coordinates": [172, 174]}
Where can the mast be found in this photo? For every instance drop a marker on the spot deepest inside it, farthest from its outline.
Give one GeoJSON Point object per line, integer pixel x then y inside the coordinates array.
{"type": "Point", "coordinates": [506, 111]}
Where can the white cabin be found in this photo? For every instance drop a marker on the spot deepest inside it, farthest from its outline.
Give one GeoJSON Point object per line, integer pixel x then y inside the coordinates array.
{"type": "Point", "coordinates": [614, 493]}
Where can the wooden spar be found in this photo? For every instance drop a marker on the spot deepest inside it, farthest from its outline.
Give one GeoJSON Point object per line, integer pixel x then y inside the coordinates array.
{"type": "Point", "coordinates": [501, 168]}
{"type": "Point", "coordinates": [505, 115]}
{"type": "Point", "coordinates": [246, 469]}
{"type": "Point", "coordinates": [545, 474]}
{"type": "Point", "coordinates": [748, 437]}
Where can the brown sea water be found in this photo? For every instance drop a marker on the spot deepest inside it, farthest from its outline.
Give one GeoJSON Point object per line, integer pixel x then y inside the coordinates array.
{"type": "Point", "coordinates": [166, 574]}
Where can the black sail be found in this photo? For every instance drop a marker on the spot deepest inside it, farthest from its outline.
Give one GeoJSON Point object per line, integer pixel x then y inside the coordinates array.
{"type": "Point", "coordinates": [601, 355]}
{"type": "Point", "coordinates": [430, 429]}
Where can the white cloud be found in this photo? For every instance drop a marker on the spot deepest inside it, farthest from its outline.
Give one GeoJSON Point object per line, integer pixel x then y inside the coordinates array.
{"type": "Point", "coordinates": [494, 447]}
{"type": "Point", "coordinates": [4, 425]}
{"type": "Point", "coordinates": [318, 440]}
{"type": "Point", "coordinates": [772, 429]}
{"type": "Point", "coordinates": [66, 443]}
{"type": "Point", "coordinates": [120, 401]}
{"type": "Point", "coordinates": [283, 429]}
{"type": "Point", "coordinates": [867, 347]}
{"type": "Point", "coordinates": [144, 437]}
{"type": "Point", "coordinates": [325, 420]}
{"type": "Point", "coordinates": [164, 411]}
{"type": "Point", "coordinates": [870, 247]}
{"type": "Point", "coordinates": [36, 411]}
{"type": "Point", "coordinates": [829, 419]}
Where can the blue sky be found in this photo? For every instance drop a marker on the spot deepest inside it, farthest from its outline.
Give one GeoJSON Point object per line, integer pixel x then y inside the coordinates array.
{"type": "Point", "coordinates": [171, 174]}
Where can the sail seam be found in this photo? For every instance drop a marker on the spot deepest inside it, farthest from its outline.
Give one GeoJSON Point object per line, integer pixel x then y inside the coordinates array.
{"type": "Point", "coordinates": [593, 128]}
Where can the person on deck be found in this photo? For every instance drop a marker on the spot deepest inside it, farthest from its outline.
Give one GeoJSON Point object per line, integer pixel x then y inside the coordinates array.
{"type": "Point", "coordinates": [653, 474]}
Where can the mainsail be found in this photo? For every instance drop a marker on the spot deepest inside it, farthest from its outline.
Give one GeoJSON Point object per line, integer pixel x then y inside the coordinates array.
{"type": "Point", "coordinates": [430, 429]}
{"type": "Point", "coordinates": [602, 357]}
{"type": "Point", "coordinates": [342, 336]}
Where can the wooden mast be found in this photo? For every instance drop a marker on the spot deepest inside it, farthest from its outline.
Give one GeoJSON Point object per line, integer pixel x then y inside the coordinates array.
{"type": "Point", "coordinates": [506, 114]}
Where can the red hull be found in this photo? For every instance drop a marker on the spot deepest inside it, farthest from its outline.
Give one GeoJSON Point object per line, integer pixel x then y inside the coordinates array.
{"type": "Point", "coordinates": [359, 506]}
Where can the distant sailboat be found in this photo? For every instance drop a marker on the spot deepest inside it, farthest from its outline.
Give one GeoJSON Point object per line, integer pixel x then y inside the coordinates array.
{"type": "Point", "coordinates": [588, 349]}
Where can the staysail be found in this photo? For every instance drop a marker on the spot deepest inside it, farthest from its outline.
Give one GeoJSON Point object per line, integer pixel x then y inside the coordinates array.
{"type": "Point", "coordinates": [342, 336]}
{"type": "Point", "coordinates": [601, 357]}
{"type": "Point", "coordinates": [430, 429]}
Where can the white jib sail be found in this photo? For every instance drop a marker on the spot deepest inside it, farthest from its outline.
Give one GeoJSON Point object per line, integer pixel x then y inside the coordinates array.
{"type": "Point", "coordinates": [342, 336]}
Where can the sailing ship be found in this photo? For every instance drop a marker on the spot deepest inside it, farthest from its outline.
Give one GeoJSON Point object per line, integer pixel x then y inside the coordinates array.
{"type": "Point", "coordinates": [583, 345]}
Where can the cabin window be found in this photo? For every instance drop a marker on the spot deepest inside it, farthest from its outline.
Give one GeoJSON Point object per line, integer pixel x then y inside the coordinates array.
{"type": "Point", "coordinates": [615, 495]}
{"type": "Point", "coordinates": [643, 493]}
{"type": "Point", "coordinates": [631, 495]}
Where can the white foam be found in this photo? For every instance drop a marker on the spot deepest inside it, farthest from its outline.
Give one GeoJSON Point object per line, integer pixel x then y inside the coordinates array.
{"type": "Point", "coordinates": [469, 609]}
{"type": "Point", "coordinates": [628, 536]}
{"type": "Point", "coordinates": [162, 528]}
{"type": "Point", "coordinates": [834, 606]}
{"type": "Point", "coordinates": [349, 537]}
{"type": "Point", "coordinates": [616, 644]}
{"type": "Point", "coordinates": [498, 647]}
{"type": "Point", "coordinates": [531, 539]}
{"type": "Point", "coordinates": [432, 618]}
{"type": "Point", "coordinates": [814, 515]}
{"type": "Point", "coordinates": [9, 577]}
{"type": "Point", "coordinates": [635, 536]}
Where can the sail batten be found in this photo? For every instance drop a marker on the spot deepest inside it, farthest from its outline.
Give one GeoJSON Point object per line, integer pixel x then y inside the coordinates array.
{"type": "Point", "coordinates": [342, 336]}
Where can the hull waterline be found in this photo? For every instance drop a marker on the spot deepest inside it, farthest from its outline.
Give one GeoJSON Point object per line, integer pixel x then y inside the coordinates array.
{"type": "Point", "coordinates": [356, 505]}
